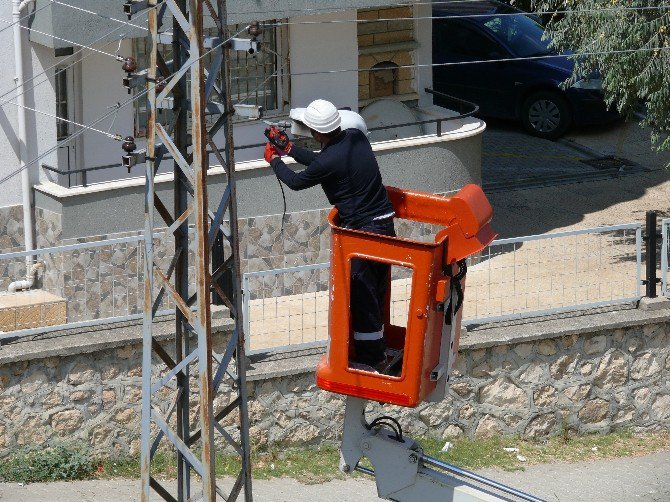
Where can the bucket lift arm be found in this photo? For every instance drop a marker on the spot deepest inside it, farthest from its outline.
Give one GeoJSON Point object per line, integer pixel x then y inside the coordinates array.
{"type": "Point", "coordinates": [404, 473]}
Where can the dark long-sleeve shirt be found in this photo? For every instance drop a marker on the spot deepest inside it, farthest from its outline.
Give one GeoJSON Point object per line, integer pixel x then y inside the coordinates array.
{"type": "Point", "coordinates": [347, 171]}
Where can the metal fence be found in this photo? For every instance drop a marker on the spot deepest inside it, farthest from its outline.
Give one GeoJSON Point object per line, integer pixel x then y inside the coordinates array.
{"type": "Point", "coordinates": [78, 285]}
{"type": "Point", "coordinates": [665, 249]}
{"type": "Point", "coordinates": [98, 282]}
{"type": "Point", "coordinates": [513, 278]}
{"type": "Point", "coordinates": [551, 273]}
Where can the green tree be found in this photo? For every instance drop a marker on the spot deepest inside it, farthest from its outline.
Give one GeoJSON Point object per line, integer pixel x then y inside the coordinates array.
{"type": "Point", "coordinates": [628, 42]}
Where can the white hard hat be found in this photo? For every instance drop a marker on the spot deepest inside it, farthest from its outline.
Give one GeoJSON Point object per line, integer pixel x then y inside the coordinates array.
{"type": "Point", "coordinates": [352, 120]}
{"type": "Point", "coordinates": [348, 120]}
{"type": "Point", "coordinates": [322, 116]}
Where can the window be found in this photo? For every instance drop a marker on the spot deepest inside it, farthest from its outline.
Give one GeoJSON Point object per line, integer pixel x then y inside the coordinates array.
{"type": "Point", "coordinates": [254, 77]}
{"type": "Point", "coordinates": [459, 42]}
{"type": "Point", "coordinates": [522, 34]}
{"type": "Point", "coordinates": [62, 104]}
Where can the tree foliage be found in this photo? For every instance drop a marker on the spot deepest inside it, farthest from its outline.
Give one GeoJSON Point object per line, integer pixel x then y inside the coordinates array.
{"type": "Point", "coordinates": [628, 42]}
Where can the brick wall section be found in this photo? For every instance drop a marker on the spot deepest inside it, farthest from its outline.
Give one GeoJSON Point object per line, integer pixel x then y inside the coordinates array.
{"type": "Point", "coordinates": [594, 382]}
{"type": "Point", "coordinates": [375, 33]}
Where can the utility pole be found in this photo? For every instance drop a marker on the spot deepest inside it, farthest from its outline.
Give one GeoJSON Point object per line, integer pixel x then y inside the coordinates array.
{"type": "Point", "coordinates": [196, 228]}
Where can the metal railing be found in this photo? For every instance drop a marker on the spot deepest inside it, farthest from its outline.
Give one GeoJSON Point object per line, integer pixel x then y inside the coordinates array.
{"type": "Point", "coordinates": [91, 283]}
{"type": "Point", "coordinates": [513, 278]}
{"type": "Point", "coordinates": [81, 284]}
{"type": "Point", "coordinates": [550, 273]}
{"type": "Point", "coordinates": [285, 307]}
{"type": "Point", "coordinates": [665, 249]}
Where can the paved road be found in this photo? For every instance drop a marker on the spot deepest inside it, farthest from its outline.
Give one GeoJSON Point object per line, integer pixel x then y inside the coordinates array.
{"type": "Point", "coordinates": [509, 154]}
{"type": "Point", "coordinates": [622, 480]}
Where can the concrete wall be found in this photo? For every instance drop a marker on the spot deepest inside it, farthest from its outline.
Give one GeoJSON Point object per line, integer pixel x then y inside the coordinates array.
{"type": "Point", "coordinates": [434, 166]}
{"type": "Point", "coordinates": [41, 129]}
{"type": "Point", "coordinates": [592, 373]}
{"type": "Point", "coordinates": [324, 47]}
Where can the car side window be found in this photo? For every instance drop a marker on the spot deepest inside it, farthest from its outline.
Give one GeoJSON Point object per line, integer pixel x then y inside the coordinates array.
{"type": "Point", "coordinates": [457, 42]}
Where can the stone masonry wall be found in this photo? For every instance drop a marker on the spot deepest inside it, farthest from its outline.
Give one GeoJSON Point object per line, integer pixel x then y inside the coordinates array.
{"type": "Point", "coordinates": [592, 382]}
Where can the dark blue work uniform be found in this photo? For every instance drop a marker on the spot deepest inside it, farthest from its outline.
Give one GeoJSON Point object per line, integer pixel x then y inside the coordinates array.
{"type": "Point", "coordinates": [348, 172]}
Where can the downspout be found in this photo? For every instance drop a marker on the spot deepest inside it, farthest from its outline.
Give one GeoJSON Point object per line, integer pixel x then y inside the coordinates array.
{"type": "Point", "coordinates": [26, 188]}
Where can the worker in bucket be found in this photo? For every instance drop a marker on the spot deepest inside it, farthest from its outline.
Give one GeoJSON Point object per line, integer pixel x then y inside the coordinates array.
{"type": "Point", "coordinates": [349, 175]}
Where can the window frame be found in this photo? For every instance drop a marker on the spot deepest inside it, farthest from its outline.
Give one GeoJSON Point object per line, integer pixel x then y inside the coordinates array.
{"type": "Point", "coordinates": [282, 84]}
{"type": "Point", "coordinates": [63, 98]}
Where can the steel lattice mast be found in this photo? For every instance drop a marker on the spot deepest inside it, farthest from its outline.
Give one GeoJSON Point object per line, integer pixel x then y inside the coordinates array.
{"type": "Point", "coordinates": [193, 355]}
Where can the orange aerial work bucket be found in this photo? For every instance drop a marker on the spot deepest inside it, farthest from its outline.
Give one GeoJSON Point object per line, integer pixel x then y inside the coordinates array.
{"type": "Point", "coordinates": [427, 346]}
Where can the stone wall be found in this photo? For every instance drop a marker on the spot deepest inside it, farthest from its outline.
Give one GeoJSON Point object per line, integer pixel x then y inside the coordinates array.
{"type": "Point", "coordinates": [613, 372]}
{"type": "Point", "coordinates": [11, 229]}
{"type": "Point", "coordinates": [591, 382]}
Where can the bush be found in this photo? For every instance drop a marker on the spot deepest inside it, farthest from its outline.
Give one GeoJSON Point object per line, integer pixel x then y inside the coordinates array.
{"type": "Point", "coordinates": [35, 463]}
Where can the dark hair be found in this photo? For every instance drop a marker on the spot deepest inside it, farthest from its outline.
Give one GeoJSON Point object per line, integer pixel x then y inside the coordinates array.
{"type": "Point", "coordinates": [332, 134]}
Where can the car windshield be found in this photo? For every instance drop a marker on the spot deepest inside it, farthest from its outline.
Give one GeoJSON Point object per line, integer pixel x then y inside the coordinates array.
{"type": "Point", "coordinates": [520, 33]}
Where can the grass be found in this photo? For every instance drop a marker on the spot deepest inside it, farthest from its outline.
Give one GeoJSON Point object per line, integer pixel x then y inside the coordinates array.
{"type": "Point", "coordinates": [320, 464]}
{"type": "Point", "coordinates": [478, 454]}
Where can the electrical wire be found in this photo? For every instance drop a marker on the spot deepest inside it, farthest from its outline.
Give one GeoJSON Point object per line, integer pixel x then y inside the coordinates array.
{"type": "Point", "coordinates": [470, 16]}
{"type": "Point", "coordinates": [331, 9]}
{"type": "Point", "coordinates": [60, 119]}
{"type": "Point", "coordinates": [108, 114]}
{"type": "Point", "coordinates": [71, 137]}
{"type": "Point", "coordinates": [12, 23]}
{"type": "Point", "coordinates": [138, 95]}
{"type": "Point", "coordinates": [33, 30]}
{"type": "Point", "coordinates": [482, 61]}
{"type": "Point", "coordinates": [60, 62]}
{"type": "Point", "coordinates": [109, 18]}
{"type": "Point", "coordinates": [390, 422]}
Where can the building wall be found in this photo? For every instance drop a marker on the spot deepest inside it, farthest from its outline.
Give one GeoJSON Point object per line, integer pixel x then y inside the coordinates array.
{"type": "Point", "coordinates": [595, 380]}
{"type": "Point", "coordinates": [41, 129]}
{"type": "Point", "coordinates": [324, 47]}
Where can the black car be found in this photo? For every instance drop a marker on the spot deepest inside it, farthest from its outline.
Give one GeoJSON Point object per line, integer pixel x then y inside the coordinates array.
{"type": "Point", "coordinates": [528, 89]}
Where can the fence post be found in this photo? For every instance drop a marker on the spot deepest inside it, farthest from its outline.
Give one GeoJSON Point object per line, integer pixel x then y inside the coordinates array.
{"type": "Point", "coordinates": [650, 243]}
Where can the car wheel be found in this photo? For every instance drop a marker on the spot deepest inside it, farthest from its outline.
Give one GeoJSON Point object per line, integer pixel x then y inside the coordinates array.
{"type": "Point", "coordinates": [546, 115]}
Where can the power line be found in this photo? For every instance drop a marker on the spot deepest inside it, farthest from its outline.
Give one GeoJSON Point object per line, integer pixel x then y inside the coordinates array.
{"type": "Point", "coordinates": [33, 30]}
{"type": "Point", "coordinates": [142, 93]}
{"type": "Point", "coordinates": [331, 9]}
{"type": "Point", "coordinates": [71, 137]}
{"type": "Point", "coordinates": [60, 62]}
{"type": "Point", "coordinates": [57, 2]}
{"type": "Point", "coordinates": [108, 114]}
{"type": "Point", "coordinates": [482, 61]}
{"type": "Point", "coordinates": [60, 119]}
{"type": "Point", "coordinates": [412, 4]}
{"type": "Point", "coordinates": [471, 16]}
{"type": "Point", "coordinates": [12, 23]}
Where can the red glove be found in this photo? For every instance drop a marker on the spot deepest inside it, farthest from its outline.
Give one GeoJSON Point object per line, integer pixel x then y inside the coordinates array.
{"type": "Point", "coordinates": [270, 152]}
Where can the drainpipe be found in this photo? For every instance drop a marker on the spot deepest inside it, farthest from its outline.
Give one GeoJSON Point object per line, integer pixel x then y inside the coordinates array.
{"type": "Point", "coordinates": [26, 188]}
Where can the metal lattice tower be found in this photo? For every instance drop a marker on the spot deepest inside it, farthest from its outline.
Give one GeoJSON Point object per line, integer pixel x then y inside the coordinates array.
{"type": "Point", "coordinates": [193, 227]}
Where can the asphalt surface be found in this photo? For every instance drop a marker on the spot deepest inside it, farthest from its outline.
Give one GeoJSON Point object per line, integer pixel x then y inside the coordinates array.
{"type": "Point", "coordinates": [620, 480]}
